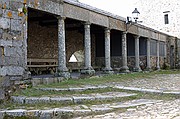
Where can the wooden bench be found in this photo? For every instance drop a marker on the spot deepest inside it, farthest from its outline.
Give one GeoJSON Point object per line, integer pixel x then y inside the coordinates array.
{"type": "Point", "coordinates": [45, 64]}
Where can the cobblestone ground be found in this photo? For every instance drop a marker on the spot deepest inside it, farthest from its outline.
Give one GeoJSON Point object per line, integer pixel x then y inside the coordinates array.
{"type": "Point", "coordinates": [161, 110]}
{"type": "Point", "coordinates": [160, 82]}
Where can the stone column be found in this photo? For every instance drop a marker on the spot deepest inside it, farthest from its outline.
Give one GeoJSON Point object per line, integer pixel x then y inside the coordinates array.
{"type": "Point", "coordinates": [158, 63]}
{"type": "Point", "coordinates": [87, 46]}
{"type": "Point", "coordinates": [148, 68]}
{"type": "Point", "coordinates": [62, 69]}
{"type": "Point", "coordinates": [124, 68]}
{"type": "Point", "coordinates": [137, 67]}
{"type": "Point", "coordinates": [108, 68]}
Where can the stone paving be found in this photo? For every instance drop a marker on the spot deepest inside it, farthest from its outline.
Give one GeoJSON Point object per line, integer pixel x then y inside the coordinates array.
{"type": "Point", "coordinates": [168, 82]}
{"type": "Point", "coordinates": [78, 110]}
{"type": "Point", "coordinates": [159, 110]}
{"type": "Point", "coordinates": [134, 109]}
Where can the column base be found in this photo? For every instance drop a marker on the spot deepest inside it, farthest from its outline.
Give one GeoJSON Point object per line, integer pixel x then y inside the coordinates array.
{"type": "Point", "coordinates": [64, 74]}
{"type": "Point", "coordinates": [148, 69]}
{"type": "Point", "coordinates": [137, 69]}
{"type": "Point", "coordinates": [124, 69]}
{"type": "Point", "coordinates": [158, 68]}
{"type": "Point", "coordinates": [108, 71]}
{"type": "Point", "coordinates": [88, 71]}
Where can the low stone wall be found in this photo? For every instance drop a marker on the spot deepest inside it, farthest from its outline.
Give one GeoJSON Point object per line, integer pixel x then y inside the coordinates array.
{"type": "Point", "coordinates": [153, 62]}
{"type": "Point", "coordinates": [143, 62]}
{"type": "Point", "coordinates": [116, 62]}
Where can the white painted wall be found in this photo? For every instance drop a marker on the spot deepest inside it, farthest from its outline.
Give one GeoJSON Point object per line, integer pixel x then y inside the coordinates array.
{"type": "Point", "coordinates": [152, 15]}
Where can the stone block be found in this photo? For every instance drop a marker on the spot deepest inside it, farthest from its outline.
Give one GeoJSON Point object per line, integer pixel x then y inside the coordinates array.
{"type": "Point", "coordinates": [61, 100]}
{"type": "Point", "coordinates": [44, 99]}
{"type": "Point", "coordinates": [33, 113]}
{"type": "Point", "coordinates": [48, 80]}
{"type": "Point", "coordinates": [101, 109]}
{"type": "Point", "coordinates": [98, 19]}
{"type": "Point", "coordinates": [63, 113]}
{"type": "Point", "coordinates": [11, 70]}
{"type": "Point", "coordinates": [15, 5]}
{"type": "Point", "coordinates": [2, 96]}
{"type": "Point", "coordinates": [4, 23]}
{"type": "Point", "coordinates": [2, 71]}
{"type": "Point", "coordinates": [83, 98]}
{"type": "Point", "coordinates": [5, 42]}
{"type": "Point", "coordinates": [46, 114]}
{"type": "Point", "coordinates": [76, 12]}
{"type": "Point", "coordinates": [17, 43]}
{"type": "Point", "coordinates": [16, 113]}
{"type": "Point", "coordinates": [9, 51]}
{"type": "Point", "coordinates": [32, 100]}
{"type": "Point", "coordinates": [2, 114]}
{"type": "Point", "coordinates": [36, 82]}
{"type": "Point", "coordinates": [16, 25]}
{"type": "Point", "coordinates": [18, 99]}
{"type": "Point", "coordinates": [82, 112]}
{"type": "Point", "coordinates": [5, 4]}
{"type": "Point", "coordinates": [10, 61]}
{"type": "Point", "coordinates": [1, 32]}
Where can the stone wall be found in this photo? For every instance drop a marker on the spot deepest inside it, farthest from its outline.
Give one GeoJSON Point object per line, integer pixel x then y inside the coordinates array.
{"type": "Point", "coordinates": [153, 62]}
{"type": "Point", "coordinates": [43, 43]}
{"type": "Point", "coordinates": [161, 61]}
{"type": "Point", "coordinates": [152, 15]}
{"type": "Point", "coordinates": [13, 44]}
{"type": "Point", "coordinates": [12, 38]}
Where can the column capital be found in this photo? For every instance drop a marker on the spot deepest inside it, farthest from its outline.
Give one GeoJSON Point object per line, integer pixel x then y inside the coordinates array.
{"type": "Point", "coordinates": [136, 36]}
{"type": "Point", "coordinates": [87, 23]}
{"type": "Point", "coordinates": [61, 17]}
{"type": "Point", "coordinates": [124, 32]}
{"type": "Point", "coordinates": [157, 41]}
{"type": "Point", "coordinates": [148, 38]}
{"type": "Point", "coordinates": [107, 30]}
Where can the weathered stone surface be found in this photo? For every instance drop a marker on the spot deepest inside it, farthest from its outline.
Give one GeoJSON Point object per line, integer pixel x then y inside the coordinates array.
{"type": "Point", "coordinates": [16, 25]}
{"type": "Point", "coordinates": [16, 113]}
{"type": "Point", "coordinates": [2, 114]}
{"type": "Point", "coordinates": [33, 113]}
{"type": "Point", "coordinates": [76, 12]}
{"type": "Point", "coordinates": [5, 43]}
{"type": "Point", "coordinates": [2, 94]}
{"type": "Point", "coordinates": [61, 100]}
{"type": "Point", "coordinates": [4, 23]}
{"type": "Point", "coordinates": [82, 98]}
{"type": "Point", "coordinates": [18, 99]}
{"type": "Point", "coordinates": [11, 70]}
{"type": "Point", "coordinates": [46, 114]}
{"type": "Point", "coordinates": [32, 100]}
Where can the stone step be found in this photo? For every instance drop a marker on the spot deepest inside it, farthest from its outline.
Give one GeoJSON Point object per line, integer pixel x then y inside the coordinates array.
{"type": "Point", "coordinates": [79, 110]}
{"type": "Point", "coordinates": [156, 91]}
{"type": "Point", "coordinates": [75, 89]}
{"type": "Point", "coordinates": [71, 98]}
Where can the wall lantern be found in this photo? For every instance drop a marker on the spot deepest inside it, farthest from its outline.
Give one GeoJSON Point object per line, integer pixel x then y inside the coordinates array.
{"type": "Point", "coordinates": [135, 15]}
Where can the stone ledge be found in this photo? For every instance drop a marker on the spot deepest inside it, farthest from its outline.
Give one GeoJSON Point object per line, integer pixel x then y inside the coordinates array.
{"type": "Point", "coordinates": [147, 90]}
{"type": "Point", "coordinates": [75, 111]}
{"type": "Point", "coordinates": [70, 99]}
{"type": "Point", "coordinates": [74, 89]}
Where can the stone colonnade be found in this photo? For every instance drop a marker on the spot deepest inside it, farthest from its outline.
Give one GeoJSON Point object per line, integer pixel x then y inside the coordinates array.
{"type": "Point", "coordinates": [88, 69]}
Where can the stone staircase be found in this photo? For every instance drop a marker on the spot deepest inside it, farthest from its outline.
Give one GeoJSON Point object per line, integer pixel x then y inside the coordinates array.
{"type": "Point", "coordinates": [72, 105]}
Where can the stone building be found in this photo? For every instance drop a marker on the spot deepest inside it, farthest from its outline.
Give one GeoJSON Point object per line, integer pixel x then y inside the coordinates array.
{"type": "Point", "coordinates": [162, 15]}
{"type": "Point", "coordinates": [41, 36]}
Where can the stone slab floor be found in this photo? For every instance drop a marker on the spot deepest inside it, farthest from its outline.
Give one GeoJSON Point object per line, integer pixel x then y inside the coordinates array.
{"type": "Point", "coordinates": [161, 110]}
